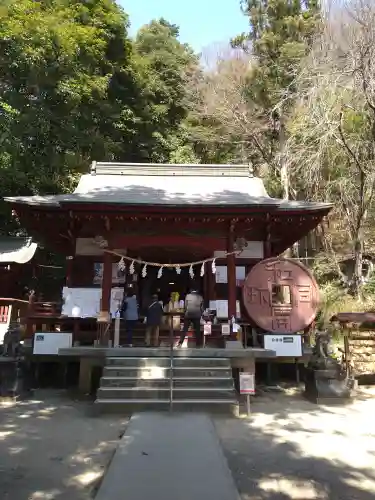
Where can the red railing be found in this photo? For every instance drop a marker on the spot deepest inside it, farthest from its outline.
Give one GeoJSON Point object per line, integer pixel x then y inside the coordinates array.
{"type": "Point", "coordinates": [4, 312]}
{"type": "Point", "coordinates": [15, 308]}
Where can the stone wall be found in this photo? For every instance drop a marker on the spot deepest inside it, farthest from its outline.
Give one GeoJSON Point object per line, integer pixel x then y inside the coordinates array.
{"type": "Point", "coordinates": [362, 352]}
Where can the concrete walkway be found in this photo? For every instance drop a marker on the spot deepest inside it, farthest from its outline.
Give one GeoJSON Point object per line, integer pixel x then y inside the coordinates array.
{"type": "Point", "coordinates": [169, 457]}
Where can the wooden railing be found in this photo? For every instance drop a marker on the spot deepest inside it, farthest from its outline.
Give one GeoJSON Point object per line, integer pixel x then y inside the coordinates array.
{"type": "Point", "coordinates": [45, 309]}
{"type": "Point", "coordinates": [16, 308]}
{"type": "Point", "coordinates": [4, 313]}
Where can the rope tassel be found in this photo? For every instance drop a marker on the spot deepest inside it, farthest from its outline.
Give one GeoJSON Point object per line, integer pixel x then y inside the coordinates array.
{"type": "Point", "coordinates": [202, 269]}
{"type": "Point", "coordinates": [131, 268]}
{"type": "Point", "coordinates": [191, 271]}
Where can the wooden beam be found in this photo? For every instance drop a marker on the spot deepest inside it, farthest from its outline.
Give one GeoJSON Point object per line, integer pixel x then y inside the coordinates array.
{"type": "Point", "coordinates": [131, 241]}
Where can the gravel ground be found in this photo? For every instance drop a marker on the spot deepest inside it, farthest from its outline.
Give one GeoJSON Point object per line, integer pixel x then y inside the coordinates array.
{"type": "Point", "coordinates": [292, 449]}
{"type": "Point", "coordinates": [51, 449]}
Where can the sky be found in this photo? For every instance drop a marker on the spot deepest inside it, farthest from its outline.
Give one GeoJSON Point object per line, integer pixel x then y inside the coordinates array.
{"type": "Point", "coordinates": [202, 22]}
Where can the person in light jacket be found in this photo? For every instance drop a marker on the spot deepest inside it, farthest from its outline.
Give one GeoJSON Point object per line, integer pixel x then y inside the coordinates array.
{"type": "Point", "coordinates": [194, 305]}
{"type": "Point", "coordinates": [129, 311]}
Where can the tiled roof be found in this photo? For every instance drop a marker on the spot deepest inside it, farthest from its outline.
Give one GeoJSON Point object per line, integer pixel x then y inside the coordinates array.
{"type": "Point", "coordinates": [16, 249]}
{"type": "Point", "coordinates": [169, 185]}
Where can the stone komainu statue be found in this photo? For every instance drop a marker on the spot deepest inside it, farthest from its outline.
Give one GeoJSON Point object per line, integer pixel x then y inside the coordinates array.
{"type": "Point", "coordinates": [326, 379]}
{"type": "Point", "coordinates": [323, 357]}
{"type": "Point", "coordinates": [12, 341]}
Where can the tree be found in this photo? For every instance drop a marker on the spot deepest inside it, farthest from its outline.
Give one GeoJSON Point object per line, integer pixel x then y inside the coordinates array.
{"type": "Point", "coordinates": [332, 134]}
{"type": "Point", "coordinates": [68, 92]}
{"type": "Point", "coordinates": [225, 124]}
{"type": "Point", "coordinates": [163, 64]}
{"type": "Point", "coordinates": [280, 36]}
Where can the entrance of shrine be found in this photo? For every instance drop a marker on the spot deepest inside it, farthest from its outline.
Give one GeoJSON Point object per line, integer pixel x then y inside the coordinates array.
{"type": "Point", "coordinates": [170, 283]}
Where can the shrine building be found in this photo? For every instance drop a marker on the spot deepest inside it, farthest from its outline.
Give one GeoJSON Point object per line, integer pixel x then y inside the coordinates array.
{"type": "Point", "coordinates": [165, 229]}
{"type": "Point", "coordinates": [163, 216]}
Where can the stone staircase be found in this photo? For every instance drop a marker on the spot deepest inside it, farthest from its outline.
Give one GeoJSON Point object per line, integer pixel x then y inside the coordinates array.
{"type": "Point", "coordinates": [133, 384]}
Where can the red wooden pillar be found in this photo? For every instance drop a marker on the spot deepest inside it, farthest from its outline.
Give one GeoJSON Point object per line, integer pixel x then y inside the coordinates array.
{"type": "Point", "coordinates": [205, 287]}
{"type": "Point", "coordinates": [231, 268]}
{"type": "Point", "coordinates": [105, 304]}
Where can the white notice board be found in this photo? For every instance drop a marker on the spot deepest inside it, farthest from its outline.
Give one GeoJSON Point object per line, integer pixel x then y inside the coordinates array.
{"type": "Point", "coordinates": [284, 345]}
{"type": "Point", "coordinates": [247, 383]}
{"type": "Point", "coordinates": [222, 309]}
{"type": "Point", "coordinates": [51, 342]}
{"type": "Point", "coordinates": [221, 275]}
{"type": "Point", "coordinates": [117, 295]}
{"type": "Point", "coordinates": [86, 301]}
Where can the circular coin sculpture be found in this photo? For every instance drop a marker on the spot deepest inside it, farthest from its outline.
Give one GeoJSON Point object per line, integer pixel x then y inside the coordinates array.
{"type": "Point", "coordinates": [281, 295]}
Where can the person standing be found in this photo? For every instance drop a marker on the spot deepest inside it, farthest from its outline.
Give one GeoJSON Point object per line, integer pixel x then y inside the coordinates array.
{"type": "Point", "coordinates": [129, 311]}
{"type": "Point", "coordinates": [153, 319]}
{"type": "Point", "coordinates": [193, 313]}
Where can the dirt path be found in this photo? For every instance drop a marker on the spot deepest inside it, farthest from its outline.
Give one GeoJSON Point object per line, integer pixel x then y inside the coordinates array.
{"type": "Point", "coordinates": [52, 449]}
{"type": "Point", "coordinates": [291, 449]}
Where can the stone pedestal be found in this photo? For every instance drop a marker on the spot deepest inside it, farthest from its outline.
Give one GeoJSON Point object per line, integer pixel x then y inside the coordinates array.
{"type": "Point", "coordinates": [15, 378]}
{"type": "Point", "coordinates": [325, 387]}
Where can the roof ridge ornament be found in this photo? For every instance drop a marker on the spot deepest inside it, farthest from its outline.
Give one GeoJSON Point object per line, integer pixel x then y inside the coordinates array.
{"type": "Point", "coordinates": [172, 169]}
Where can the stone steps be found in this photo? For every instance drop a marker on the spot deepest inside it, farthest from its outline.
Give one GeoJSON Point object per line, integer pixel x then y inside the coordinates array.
{"type": "Point", "coordinates": [165, 362]}
{"type": "Point", "coordinates": [179, 393]}
{"type": "Point", "coordinates": [157, 372]}
{"type": "Point", "coordinates": [139, 384]}
{"type": "Point", "coordinates": [225, 382]}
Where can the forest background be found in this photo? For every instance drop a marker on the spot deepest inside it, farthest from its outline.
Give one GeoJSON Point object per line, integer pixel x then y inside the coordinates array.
{"type": "Point", "coordinates": [294, 97]}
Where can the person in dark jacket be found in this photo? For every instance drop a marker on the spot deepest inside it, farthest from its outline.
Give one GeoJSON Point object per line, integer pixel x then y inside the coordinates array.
{"type": "Point", "coordinates": [193, 313]}
{"type": "Point", "coordinates": [154, 315]}
{"type": "Point", "coordinates": [129, 311]}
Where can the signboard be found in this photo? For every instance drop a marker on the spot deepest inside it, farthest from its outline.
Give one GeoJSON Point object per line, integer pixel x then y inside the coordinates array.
{"type": "Point", "coordinates": [284, 345]}
{"type": "Point", "coordinates": [247, 383]}
{"type": "Point", "coordinates": [85, 302]}
{"type": "Point", "coordinates": [225, 329]}
{"type": "Point", "coordinates": [50, 342]}
{"type": "Point", "coordinates": [221, 308]}
{"type": "Point", "coordinates": [118, 276]}
{"type": "Point", "coordinates": [221, 275]}
{"type": "Point", "coordinates": [207, 329]}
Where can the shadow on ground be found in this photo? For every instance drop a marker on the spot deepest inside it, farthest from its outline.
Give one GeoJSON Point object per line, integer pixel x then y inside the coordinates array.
{"type": "Point", "coordinates": [292, 449]}
{"type": "Point", "coordinates": [51, 449]}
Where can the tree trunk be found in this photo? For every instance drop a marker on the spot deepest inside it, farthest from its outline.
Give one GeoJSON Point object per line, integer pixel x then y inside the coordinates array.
{"type": "Point", "coordinates": [284, 176]}
{"type": "Point", "coordinates": [358, 264]}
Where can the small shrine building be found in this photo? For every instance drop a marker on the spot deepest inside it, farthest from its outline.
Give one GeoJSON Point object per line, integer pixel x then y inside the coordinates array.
{"type": "Point", "coordinates": [15, 253]}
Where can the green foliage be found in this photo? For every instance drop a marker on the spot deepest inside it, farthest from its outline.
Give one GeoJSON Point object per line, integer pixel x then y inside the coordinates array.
{"type": "Point", "coordinates": [163, 64]}
{"type": "Point", "coordinates": [65, 73]}
{"type": "Point", "coordinates": [74, 88]}
{"type": "Point", "coordinates": [281, 32]}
